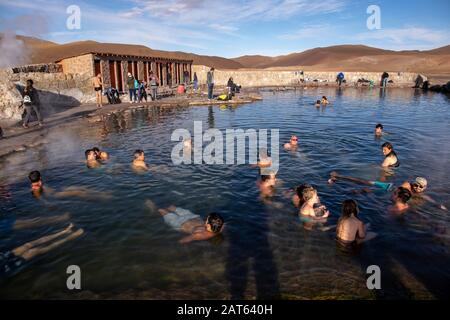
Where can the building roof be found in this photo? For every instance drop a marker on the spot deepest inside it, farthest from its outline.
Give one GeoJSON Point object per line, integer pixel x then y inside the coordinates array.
{"type": "Point", "coordinates": [127, 56]}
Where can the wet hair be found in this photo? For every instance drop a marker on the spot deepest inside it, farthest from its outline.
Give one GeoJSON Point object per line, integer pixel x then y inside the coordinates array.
{"type": "Point", "coordinates": [349, 207]}
{"type": "Point", "coordinates": [318, 102]}
{"type": "Point", "coordinates": [403, 194]}
{"type": "Point", "coordinates": [387, 145]}
{"type": "Point", "coordinates": [34, 176]}
{"type": "Point", "coordinates": [309, 193]}
{"type": "Point", "coordinates": [323, 97]}
{"type": "Point", "coordinates": [300, 189]}
{"type": "Point", "coordinates": [215, 221]}
{"type": "Point", "coordinates": [265, 177]}
{"type": "Point", "coordinates": [138, 153]}
{"type": "Point", "coordinates": [95, 149]}
{"type": "Point", "coordinates": [379, 126]}
{"type": "Point", "coordinates": [87, 152]}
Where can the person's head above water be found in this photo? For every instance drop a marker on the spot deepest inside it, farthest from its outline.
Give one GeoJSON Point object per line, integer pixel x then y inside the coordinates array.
{"type": "Point", "coordinates": [403, 195]}
{"type": "Point", "coordinates": [324, 98]}
{"type": "Point", "coordinates": [35, 179]}
{"type": "Point", "coordinates": [96, 151]}
{"type": "Point", "coordinates": [387, 148]}
{"type": "Point", "coordinates": [294, 140]}
{"type": "Point", "coordinates": [309, 194]}
{"type": "Point", "coordinates": [214, 222]}
{"type": "Point", "coordinates": [90, 155]}
{"type": "Point", "coordinates": [139, 155]}
{"type": "Point", "coordinates": [349, 208]}
{"type": "Point", "coordinates": [379, 129]}
{"type": "Point", "coordinates": [419, 185]}
{"type": "Point", "coordinates": [300, 189]}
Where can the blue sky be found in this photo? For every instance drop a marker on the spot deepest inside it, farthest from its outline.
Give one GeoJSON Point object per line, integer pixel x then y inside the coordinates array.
{"type": "Point", "coordinates": [235, 27]}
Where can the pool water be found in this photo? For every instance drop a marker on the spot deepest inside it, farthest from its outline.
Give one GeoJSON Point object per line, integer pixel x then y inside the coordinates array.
{"type": "Point", "coordinates": [265, 252]}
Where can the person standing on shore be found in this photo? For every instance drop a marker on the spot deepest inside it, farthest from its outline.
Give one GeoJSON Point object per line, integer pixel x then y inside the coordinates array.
{"type": "Point", "coordinates": [98, 84]}
{"type": "Point", "coordinates": [131, 88]}
{"type": "Point", "coordinates": [31, 102]}
{"type": "Point", "coordinates": [195, 82]}
{"type": "Point", "coordinates": [154, 82]}
{"type": "Point", "coordinates": [210, 83]}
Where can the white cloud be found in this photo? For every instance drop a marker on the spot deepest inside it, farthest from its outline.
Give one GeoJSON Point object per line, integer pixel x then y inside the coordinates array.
{"type": "Point", "coordinates": [407, 37]}
{"type": "Point", "coordinates": [311, 31]}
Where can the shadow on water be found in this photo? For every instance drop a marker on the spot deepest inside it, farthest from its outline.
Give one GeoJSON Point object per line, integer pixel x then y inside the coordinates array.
{"type": "Point", "coordinates": [250, 251]}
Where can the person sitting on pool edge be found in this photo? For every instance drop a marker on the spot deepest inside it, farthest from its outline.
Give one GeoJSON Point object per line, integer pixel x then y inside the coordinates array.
{"type": "Point", "coordinates": [139, 160]}
{"type": "Point", "coordinates": [185, 221]}
{"type": "Point", "coordinates": [292, 144]}
{"type": "Point", "coordinates": [349, 228]}
{"type": "Point", "coordinates": [400, 198]}
{"type": "Point", "coordinates": [324, 101]}
{"type": "Point", "coordinates": [91, 159]}
{"type": "Point", "coordinates": [100, 155]}
{"type": "Point", "coordinates": [312, 207]}
{"type": "Point", "coordinates": [417, 189]}
{"type": "Point", "coordinates": [391, 159]}
{"type": "Point", "coordinates": [379, 130]}
{"type": "Point", "coordinates": [37, 189]}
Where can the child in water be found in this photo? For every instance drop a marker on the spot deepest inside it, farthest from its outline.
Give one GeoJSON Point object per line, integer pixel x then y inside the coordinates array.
{"type": "Point", "coordinates": [185, 221]}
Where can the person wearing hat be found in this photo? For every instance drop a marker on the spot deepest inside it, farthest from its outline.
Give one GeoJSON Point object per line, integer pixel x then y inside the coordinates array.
{"type": "Point", "coordinates": [131, 87]}
{"type": "Point", "coordinates": [417, 189]}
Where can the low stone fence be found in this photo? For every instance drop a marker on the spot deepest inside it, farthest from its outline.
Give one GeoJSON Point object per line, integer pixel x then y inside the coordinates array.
{"type": "Point", "coordinates": [45, 68]}
{"type": "Point", "coordinates": [262, 78]}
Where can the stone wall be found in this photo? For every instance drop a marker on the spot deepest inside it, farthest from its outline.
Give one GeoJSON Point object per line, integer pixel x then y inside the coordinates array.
{"type": "Point", "coordinates": [79, 65]}
{"type": "Point", "coordinates": [57, 91]}
{"type": "Point", "coordinates": [261, 78]}
{"type": "Point", "coordinates": [106, 76]}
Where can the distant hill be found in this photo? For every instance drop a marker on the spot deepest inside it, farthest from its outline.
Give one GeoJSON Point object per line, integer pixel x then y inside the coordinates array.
{"type": "Point", "coordinates": [334, 58]}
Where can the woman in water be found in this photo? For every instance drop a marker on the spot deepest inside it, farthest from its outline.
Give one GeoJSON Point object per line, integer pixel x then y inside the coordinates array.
{"type": "Point", "coordinates": [391, 159]}
{"type": "Point", "coordinates": [350, 228]}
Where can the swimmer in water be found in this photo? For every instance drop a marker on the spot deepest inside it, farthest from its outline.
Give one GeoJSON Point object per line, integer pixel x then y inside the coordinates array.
{"type": "Point", "coordinates": [417, 189]}
{"type": "Point", "coordinates": [296, 195]}
{"type": "Point", "coordinates": [292, 144]}
{"type": "Point", "coordinates": [91, 159]}
{"type": "Point", "coordinates": [317, 105]}
{"type": "Point", "coordinates": [379, 130]}
{"type": "Point", "coordinates": [391, 159]}
{"type": "Point", "coordinates": [349, 228]}
{"type": "Point", "coordinates": [139, 160]}
{"type": "Point", "coordinates": [16, 258]}
{"type": "Point", "coordinates": [267, 185]}
{"type": "Point", "coordinates": [324, 101]}
{"type": "Point", "coordinates": [100, 155]}
{"type": "Point", "coordinates": [37, 189]}
{"type": "Point", "coordinates": [197, 229]}
{"type": "Point", "coordinates": [400, 198]}
{"type": "Point", "coordinates": [312, 207]}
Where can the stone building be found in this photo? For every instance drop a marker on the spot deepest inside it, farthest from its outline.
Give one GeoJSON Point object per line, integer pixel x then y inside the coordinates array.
{"type": "Point", "coordinates": [115, 67]}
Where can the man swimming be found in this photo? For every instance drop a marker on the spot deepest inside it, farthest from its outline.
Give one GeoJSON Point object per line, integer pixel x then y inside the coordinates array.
{"type": "Point", "coordinates": [391, 159]}
{"type": "Point", "coordinates": [400, 198]}
{"type": "Point", "coordinates": [91, 159]}
{"type": "Point", "coordinates": [12, 260]}
{"type": "Point", "coordinates": [185, 221]}
{"type": "Point", "coordinates": [266, 185]}
{"type": "Point", "coordinates": [379, 130]}
{"type": "Point", "coordinates": [37, 189]}
{"type": "Point", "coordinates": [139, 160]}
{"type": "Point", "coordinates": [292, 144]}
{"type": "Point", "coordinates": [417, 189]}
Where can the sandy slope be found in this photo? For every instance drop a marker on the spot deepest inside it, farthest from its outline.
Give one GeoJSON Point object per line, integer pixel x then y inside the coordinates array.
{"type": "Point", "coordinates": [335, 58]}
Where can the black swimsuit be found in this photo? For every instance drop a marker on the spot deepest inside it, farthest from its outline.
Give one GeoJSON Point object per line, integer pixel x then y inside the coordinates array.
{"type": "Point", "coordinates": [397, 164]}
